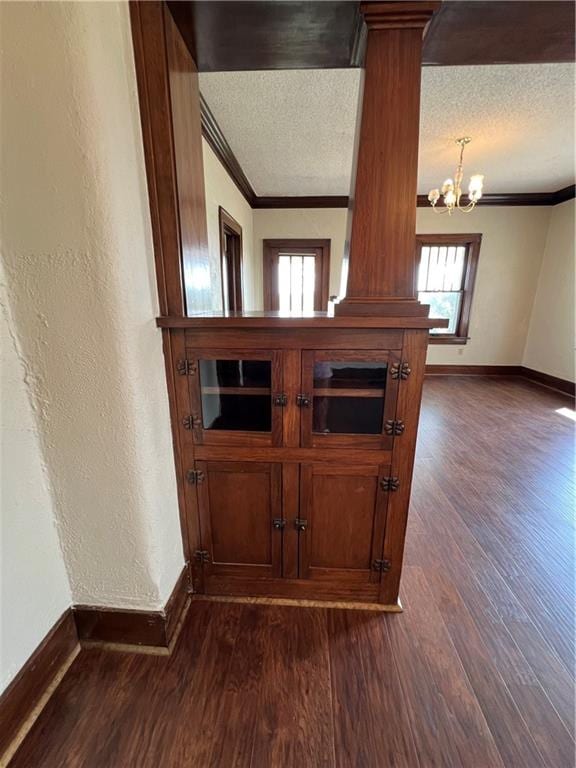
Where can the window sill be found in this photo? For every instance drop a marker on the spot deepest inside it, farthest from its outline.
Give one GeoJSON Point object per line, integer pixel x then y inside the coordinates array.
{"type": "Point", "coordinates": [448, 339]}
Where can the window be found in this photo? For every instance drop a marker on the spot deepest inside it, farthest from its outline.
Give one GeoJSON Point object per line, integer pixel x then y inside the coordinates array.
{"type": "Point", "coordinates": [446, 273]}
{"type": "Point", "coordinates": [296, 274]}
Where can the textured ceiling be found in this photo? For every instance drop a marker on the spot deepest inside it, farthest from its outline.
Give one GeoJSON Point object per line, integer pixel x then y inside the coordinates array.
{"type": "Point", "coordinates": [293, 130]}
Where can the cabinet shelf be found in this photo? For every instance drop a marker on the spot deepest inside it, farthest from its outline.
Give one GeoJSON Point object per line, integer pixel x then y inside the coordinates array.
{"type": "Point", "coordinates": [347, 392]}
{"type": "Point", "coordinates": [236, 390]}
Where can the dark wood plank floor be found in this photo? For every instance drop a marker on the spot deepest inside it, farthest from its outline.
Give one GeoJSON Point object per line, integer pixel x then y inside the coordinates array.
{"type": "Point", "coordinates": [476, 673]}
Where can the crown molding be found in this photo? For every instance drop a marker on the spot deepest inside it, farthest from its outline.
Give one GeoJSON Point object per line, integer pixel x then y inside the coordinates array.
{"type": "Point", "coordinates": [319, 201]}
{"type": "Point", "coordinates": [517, 198]}
{"type": "Point", "coordinates": [217, 141]}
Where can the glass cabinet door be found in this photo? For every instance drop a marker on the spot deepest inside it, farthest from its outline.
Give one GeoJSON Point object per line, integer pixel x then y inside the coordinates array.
{"type": "Point", "coordinates": [348, 397]}
{"type": "Point", "coordinates": [233, 396]}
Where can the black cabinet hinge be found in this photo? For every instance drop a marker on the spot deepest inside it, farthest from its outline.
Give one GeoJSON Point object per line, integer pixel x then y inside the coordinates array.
{"type": "Point", "coordinates": [186, 367]}
{"type": "Point", "coordinates": [202, 556]}
{"type": "Point", "coordinates": [400, 370]}
{"type": "Point", "coordinates": [381, 565]}
{"type": "Point", "coordinates": [189, 422]}
{"type": "Point", "coordinates": [394, 427]}
{"type": "Point", "coordinates": [194, 476]}
{"type": "Point", "coordinates": [389, 483]}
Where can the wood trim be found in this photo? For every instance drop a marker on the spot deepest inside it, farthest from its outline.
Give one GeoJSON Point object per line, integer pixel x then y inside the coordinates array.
{"type": "Point", "coordinates": [516, 198]}
{"type": "Point", "coordinates": [473, 370]}
{"type": "Point", "coordinates": [228, 224]}
{"type": "Point", "coordinates": [217, 141]}
{"type": "Point", "coordinates": [318, 201]}
{"type": "Point", "coordinates": [563, 385]}
{"type": "Point", "coordinates": [552, 382]}
{"type": "Point", "coordinates": [562, 195]}
{"type": "Point", "coordinates": [32, 682]}
{"type": "Point", "coordinates": [147, 23]}
{"type": "Point", "coordinates": [96, 624]}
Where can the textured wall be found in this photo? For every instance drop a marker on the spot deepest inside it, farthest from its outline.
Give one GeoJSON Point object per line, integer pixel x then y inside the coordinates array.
{"type": "Point", "coordinates": [34, 590]}
{"type": "Point", "coordinates": [220, 190]}
{"type": "Point", "coordinates": [77, 253]}
{"type": "Point", "coordinates": [550, 341]}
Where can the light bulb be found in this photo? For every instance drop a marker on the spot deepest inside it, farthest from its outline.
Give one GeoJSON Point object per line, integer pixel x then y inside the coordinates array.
{"type": "Point", "coordinates": [433, 196]}
{"type": "Point", "coordinates": [476, 183]}
{"type": "Point", "coordinates": [448, 186]}
{"type": "Point", "coordinates": [449, 198]}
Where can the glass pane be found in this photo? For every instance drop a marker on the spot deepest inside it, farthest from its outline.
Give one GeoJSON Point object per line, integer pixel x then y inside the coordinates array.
{"type": "Point", "coordinates": [443, 304]}
{"type": "Point", "coordinates": [296, 280]}
{"type": "Point", "coordinates": [347, 375]}
{"type": "Point", "coordinates": [284, 284]}
{"type": "Point", "coordinates": [423, 268]}
{"type": "Point", "coordinates": [348, 415]}
{"type": "Point", "coordinates": [296, 284]}
{"type": "Point", "coordinates": [308, 285]}
{"type": "Point", "coordinates": [236, 394]}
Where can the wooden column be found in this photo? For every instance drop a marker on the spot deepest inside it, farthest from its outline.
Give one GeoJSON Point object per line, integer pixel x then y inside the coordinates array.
{"type": "Point", "coordinates": [382, 259]}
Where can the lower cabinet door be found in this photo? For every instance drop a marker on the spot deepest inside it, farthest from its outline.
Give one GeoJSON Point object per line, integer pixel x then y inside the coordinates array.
{"type": "Point", "coordinates": [240, 517]}
{"type": "Point", "coordinates": [342, 523]}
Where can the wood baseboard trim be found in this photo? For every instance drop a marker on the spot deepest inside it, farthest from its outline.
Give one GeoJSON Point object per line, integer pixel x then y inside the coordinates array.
{"type": "Point", "coordinates": [552, 382]}
{"type": "Point", "coordinates": [124, 629]}
{"type": "Point", "coordinates": [340, 604]}
{"type": "Point", "coordinates": [473, 370]}
{"type": "Point", "coordinates": [544, 379]}
{"type": "Point", "coordinates": [27, 694]}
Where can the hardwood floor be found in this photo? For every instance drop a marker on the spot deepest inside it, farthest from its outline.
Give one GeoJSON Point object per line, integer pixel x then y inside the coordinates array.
{"type": "Point", "coordinates": [476, 673]}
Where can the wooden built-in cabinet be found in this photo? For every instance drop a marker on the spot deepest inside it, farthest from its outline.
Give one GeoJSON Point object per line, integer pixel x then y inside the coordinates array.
{"type": "Point", "coordinates": [289, 438]}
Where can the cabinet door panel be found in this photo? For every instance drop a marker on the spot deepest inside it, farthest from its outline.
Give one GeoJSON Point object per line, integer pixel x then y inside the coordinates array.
{"type": "Point", "coordinates": [232, 393]}
{"type": "Point", "coordinates": [351, 395]}
{"type": "Point", "coordinates": [239, 502]}
{"type": "Point", "coordinates": [345, 511]}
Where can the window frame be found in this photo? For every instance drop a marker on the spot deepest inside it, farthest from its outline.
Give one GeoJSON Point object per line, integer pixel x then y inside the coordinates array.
{"type": "Point", "coordinates": [472, 243]}
{"type": "Point", "coordinates": [271, 250]}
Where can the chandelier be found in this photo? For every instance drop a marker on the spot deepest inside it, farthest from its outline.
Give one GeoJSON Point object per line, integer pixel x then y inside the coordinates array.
{"type": "Point", "coordinates": [452, 190]}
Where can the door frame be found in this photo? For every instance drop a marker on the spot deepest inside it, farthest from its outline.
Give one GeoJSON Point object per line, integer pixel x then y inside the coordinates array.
{"type": "Point", "coordinates": [228, 226]}
{"type": "Point", "coordinates": [270, 248]}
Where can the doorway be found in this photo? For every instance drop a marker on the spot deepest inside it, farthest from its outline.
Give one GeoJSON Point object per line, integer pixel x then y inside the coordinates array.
{"type": "Point", "coordinates": [231, 261]}
{"type": "Point", "coordinates": [296, 275]}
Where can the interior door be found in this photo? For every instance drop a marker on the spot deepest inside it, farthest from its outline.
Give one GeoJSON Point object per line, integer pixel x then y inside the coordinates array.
{"type": "Point", "coordinates": [348, 398]}
{"type": "Point", "coordinates": [240, 508]}
{"type": "Point", "coordinates": [235, 397]}
{"type": "Point", "coordinates": [343, 520]}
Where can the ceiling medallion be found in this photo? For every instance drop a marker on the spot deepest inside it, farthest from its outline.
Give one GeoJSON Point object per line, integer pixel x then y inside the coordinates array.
{"type": "Point", "coordinates": [452, 190]}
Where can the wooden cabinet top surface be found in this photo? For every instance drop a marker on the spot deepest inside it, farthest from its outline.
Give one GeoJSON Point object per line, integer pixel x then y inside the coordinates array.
{"type": "Point", "coordinates": [272, 320]}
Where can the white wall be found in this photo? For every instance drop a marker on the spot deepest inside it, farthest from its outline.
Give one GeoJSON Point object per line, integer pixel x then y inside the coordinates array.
{"type": "Point", "coordinates": [513, 240]}
{"type": "Point", "coordinates": [34, 589]}
{"type": "Point", "coordinates": [297, 223]}
{"type": "Point", "coordinates": [77, 253]}
{"type": "Point", "coordinates": [550, 340]}
{"type": "Point", "coordinates": [222, 191]}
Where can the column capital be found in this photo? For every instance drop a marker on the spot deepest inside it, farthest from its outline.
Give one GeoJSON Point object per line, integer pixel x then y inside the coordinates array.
{"type": "Point", "coordinates": [398, 15]}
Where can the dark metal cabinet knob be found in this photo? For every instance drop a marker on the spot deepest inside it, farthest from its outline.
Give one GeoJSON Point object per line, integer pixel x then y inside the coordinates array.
{"type": "Point", "coordinates": [303, 401]}
{"type": "Point", "coordinates": [278, 523]}
{"type": "Point", "coordinates": [301, 524]}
